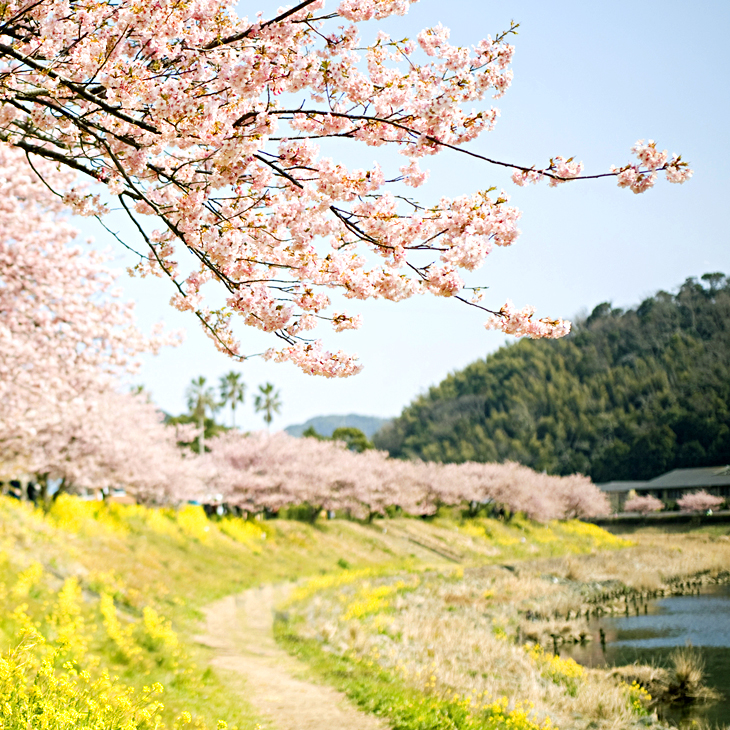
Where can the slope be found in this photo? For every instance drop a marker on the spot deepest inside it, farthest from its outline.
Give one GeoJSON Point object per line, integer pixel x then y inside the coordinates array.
{"type": "Point", "coordinates": [90, 592]}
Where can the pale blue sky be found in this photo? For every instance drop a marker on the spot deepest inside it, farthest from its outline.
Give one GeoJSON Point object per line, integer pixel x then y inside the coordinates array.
{"type": "Point", "coordinates": [590, 80]}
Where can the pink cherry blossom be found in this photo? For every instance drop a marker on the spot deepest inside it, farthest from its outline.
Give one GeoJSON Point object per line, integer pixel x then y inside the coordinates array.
{"type": "Point", "coordinates": [210, 124]}
{"type": "Point", "coordinates": [649, 156]}
{"type": "Point", "coordinates": [66, 342]}
{"type": "Point", "coordinates": [643, 504]}
{"type": "Point", "coordinates": [520, 323]}
{"type": "Point", "coordinates": [699, 501]}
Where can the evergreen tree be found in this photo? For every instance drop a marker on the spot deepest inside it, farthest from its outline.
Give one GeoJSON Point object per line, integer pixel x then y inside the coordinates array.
{"type": "Point", "coordinates": [267, 401]}
{"type": "Point", "coordinates": [232, 390]}
{"type": "Point", "coordinates": [201, 399]}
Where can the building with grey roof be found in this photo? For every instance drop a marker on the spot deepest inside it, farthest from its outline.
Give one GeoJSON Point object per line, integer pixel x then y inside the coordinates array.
{"type": "Point", "coordinates": [672, 486]}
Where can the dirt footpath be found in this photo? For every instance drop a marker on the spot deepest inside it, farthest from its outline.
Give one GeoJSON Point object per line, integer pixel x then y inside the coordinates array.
{"type": "Point", "coordinates": [239, 629]}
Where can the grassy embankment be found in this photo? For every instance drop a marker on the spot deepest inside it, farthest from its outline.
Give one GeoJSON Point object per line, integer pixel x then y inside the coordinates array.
{"type": "Point", "coordinates": [90, 591]}
{"type": "Point", "coordinates": [440, 650]}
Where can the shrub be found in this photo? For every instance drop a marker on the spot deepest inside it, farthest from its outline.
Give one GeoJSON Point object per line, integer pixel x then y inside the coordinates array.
{"type": "Point", "coordinates": [684, 682]}
{"type": "Point", "coordinates": [699, 501]}
{"type": "Point", "coordinates": [643, 505]}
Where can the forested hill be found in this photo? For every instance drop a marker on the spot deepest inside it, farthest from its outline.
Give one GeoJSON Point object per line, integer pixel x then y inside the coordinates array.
{"type": "Point", "coordinates": [628, 395]}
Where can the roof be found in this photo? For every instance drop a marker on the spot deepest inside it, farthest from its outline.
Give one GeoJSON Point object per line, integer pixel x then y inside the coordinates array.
{"type": "Point", "coordinates": [621, 486]}
{"type": "Point", "coordinates": [706, 476]}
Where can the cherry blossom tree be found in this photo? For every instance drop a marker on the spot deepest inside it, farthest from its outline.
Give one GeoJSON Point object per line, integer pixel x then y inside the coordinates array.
{"type": "Point", "coordinates": [268, 472]}
{"type": "Point", "coordinates": [520, 489]}
{"type": "Point", "coordinates": [65, 335]}
{"type": "Point", "coordinates": [210, 131]}
{"type": "Point", "coordinates": [117, 440]}
{"type": "Point", "coordinates": [67, 340]}
{"type": "Point", "coordinates": [61, 322]}
{"type": "Point", "coordinates": [699, 501]}
{"type": "Point", "coordinates": [643, 504]}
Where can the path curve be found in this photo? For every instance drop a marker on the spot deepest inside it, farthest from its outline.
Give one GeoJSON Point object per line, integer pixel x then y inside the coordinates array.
{"type": "Point", "coordinates": [240, 631]}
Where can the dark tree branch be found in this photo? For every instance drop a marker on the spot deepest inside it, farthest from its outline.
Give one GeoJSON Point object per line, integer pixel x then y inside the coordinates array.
{"type": "Point", "coordinates": [77, 89]}
{"type": "Point", "coordinates": [248, 32]}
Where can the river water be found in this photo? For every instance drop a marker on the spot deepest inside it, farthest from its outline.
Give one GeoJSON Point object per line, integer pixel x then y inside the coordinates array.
{"type": "Point", "coordinates": [700, 620]}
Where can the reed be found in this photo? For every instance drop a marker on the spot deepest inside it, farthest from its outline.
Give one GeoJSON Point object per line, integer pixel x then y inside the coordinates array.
{"type": "Point", "coordinates": [684, 682]}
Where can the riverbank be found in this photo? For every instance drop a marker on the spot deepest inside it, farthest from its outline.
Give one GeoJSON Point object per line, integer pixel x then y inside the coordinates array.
{"type": "Point", "coordinates": [624, 522]}
{"type": "Point", "coordinates": [683, 643]}
{"type": "Point", "coordinates": [490, 637]}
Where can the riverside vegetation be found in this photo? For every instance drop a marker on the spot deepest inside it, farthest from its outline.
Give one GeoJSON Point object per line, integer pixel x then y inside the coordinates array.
{"type": "Point", "coordinates": [101, 602]}
{"type": "Point", "coordinates": [477, 643]}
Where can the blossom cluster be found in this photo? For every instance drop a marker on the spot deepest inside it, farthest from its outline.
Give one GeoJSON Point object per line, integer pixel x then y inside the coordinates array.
{"type": "Point", "coordinates": [211, 124]}
{"type": "Point", "coordinates": [642, 176]}
{"type": "Point", "coordinates": [638, 177]}
{"type": "Point", "coordinates": [520, 323]}
{"type": "Point", "coordinates": [558, 171]}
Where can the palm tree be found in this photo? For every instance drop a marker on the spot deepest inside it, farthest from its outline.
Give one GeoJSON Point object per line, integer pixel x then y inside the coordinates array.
{"type": "Point", "coordinates": [232, 389]}
{"type": "Point", "coordinates": [269, 401]}
{"type": "Point", "coordinates": [201, 398]}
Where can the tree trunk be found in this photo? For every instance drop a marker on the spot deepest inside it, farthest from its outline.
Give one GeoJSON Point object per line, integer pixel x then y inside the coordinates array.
{"type": "Point", "coordinates": [42, 496]}
{"type": "Point", "coordinates": [315, 514]}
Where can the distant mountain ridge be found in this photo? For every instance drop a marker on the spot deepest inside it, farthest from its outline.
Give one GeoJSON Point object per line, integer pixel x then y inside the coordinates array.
{"type": "Point", "coordinates": [325, 425]}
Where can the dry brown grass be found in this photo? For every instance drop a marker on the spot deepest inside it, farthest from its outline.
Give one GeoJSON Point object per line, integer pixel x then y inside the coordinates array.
{"type": "Point", "coordinates": [655, 561]}
{"type": "Point", "coordinates": [684, 684]}
{"type": "Point", "coordinates": [647, 675]}
{"type": "Point", "coordinates": [580, 584]}
{"type": "Point", "coordinates": [454, 636]}
{"type": "Point", "coordinates": [465, 634]}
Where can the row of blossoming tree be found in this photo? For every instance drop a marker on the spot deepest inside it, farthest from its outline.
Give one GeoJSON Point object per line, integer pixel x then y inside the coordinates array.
{"type": "Point", "coordinates": [698, 501]}
{"type": "Point", "coordinates": [261, 472]}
